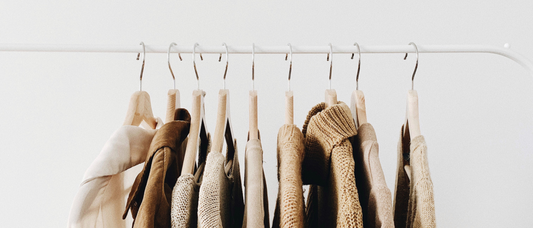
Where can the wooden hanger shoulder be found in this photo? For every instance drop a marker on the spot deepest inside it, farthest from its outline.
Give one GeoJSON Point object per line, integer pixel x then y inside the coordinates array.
{"type": "Point", "coordinates": [173, 102]}
{"type": "Point", "coordinates": [139, 109]}
{"type": "Point", "coordinates": [289, 107]}
{"type": "Point", "coordinates": [331, 97]}
{"type": "Point", "coordinates": [253, 125]}
{"type": "Point", "coordinates": [194, 132]}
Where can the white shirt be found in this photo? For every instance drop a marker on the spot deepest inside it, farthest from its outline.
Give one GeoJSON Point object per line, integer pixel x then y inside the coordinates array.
{"type": "Point", "coordinates": [102, 195]}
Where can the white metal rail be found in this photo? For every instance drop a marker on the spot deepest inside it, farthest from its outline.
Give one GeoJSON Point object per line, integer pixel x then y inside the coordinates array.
{"type": "Point", "coordinates": [372, 49]}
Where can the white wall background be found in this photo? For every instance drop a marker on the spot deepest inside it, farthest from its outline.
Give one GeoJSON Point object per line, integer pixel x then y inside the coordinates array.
{"type": "Point", "coordinates": [58, 109]}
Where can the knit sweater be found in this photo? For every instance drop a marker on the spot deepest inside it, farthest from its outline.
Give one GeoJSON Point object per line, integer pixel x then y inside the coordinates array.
{"type": "Point", "coordinates": [289, 205]}
{"type": "Point", "coordinates": [414, 204]}
{"type": "Point", "coordinates": [329, 166]}
{"type": "Point", "coordinates": [256, 197]}
{"type": "Point", "coordinates": [220, 202]}
{"type": "Point", "coordinates": [375, 196]}
{"type": "Point", "coordinates": [185, 193]}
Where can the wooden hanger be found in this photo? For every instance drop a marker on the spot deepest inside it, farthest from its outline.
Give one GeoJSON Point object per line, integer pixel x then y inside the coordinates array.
{"type": "Point", "coordinates": [140, 107]}
{"type": "Point", "coordinates": [223, 127]}
{"type": "Point", "coordinates": [289, 96]}
{"type": "Point", "coordinates": [412, 103]}
{"type": "Point", "coordinates": [331, 94]}
{"type": "Point", "coordinates": [198, 124]}
{"type": "Point", "coordinates": [253, 128]}
{"type": "Point", "coordinates": [173, 101]}
{"type": "Point", "coordinates": [357, 103]}
{"type": "Point", "coordinates": [412, 124]}
{"type": "Point", "coordinates": [198, 130]}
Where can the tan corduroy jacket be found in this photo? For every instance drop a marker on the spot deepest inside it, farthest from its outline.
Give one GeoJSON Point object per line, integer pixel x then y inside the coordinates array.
{"type": "Point", "coordinates": [414, 205]}
{"type": "Point", "coordinates": [329, 166]}
{"type": "Point", "coordinates": [150, 196]}
{"type": "Point", "coordinates": [290, 211]}
{"type": "Point", "coordinates": [374, 195]}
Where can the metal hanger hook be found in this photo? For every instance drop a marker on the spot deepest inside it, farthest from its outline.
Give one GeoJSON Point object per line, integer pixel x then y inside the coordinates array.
{"type": "Point", "coordinates": [290, 65]}
{"type": "Point", "coordinates": [169, 66]}
{"type": "Point", "coordinates": [330, 59]}
{"type": "Point", "coordinates": [142, 68]}
{"type": "Point", "coordinates": [253, 66]}
{"type": "Point", "coordinates": [220, 58]}
{"type": "Point", "coordinates": [194, 63]}
{"type": "Point", "coordinates": [358, 65]}
{"type": "Point", "coordinates": [416, 65]}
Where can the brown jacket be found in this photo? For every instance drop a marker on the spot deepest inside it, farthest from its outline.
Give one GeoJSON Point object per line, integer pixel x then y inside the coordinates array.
{"type": "Point", "coordinates": [329, 166]}
{"type": "Point", "coordinates": [150, 196]}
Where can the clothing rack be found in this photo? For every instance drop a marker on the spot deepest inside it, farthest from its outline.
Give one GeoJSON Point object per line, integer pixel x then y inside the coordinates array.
{"type": "Point", "coordinates": [369, 49]}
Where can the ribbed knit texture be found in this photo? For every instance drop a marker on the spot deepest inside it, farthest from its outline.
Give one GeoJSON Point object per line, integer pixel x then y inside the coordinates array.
{"type": "Point", "coordinates": [289, 206]}
{"type": "Point", "coordinates": [220, 202]}
{"type": "Point", "coordinates": [185, 193]}
{"type": "Point", "coordinates": [256, 203]}
{"type": "Point", "coordinates": [413, 201]}
{"type": "Point", "coordinates": [329, 163]}
{"type": "Point", "coordinates": [374, 195]}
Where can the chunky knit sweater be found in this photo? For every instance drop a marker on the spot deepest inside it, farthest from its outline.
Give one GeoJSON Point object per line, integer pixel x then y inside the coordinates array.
{"type": "Point", "coordinates": [289, 211]}
{"type": "Point", "coordinates": [329, 166]}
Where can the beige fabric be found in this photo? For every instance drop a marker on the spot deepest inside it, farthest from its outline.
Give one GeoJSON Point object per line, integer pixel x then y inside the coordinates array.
{"type": "Point", "coordinates": [414, 205]}
{"type": "Point", "coordinates": [103, 192]}
{"type": "Point", "coordinates": [289, 206]}
{"type": "Point", "coordinates": [184, 208]}
{"type": "Point", "coordinates": [374, 195]}
{"type": "Point", "coordinates": [256, 202]}
{"type": "Point", "coordinates": [220, 202]}
{"type": "Point", "coordinates": [329, 166]}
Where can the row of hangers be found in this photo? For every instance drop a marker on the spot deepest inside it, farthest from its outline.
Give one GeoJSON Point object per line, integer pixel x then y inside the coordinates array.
{"type": "Point", "coordinates": [140, 109]}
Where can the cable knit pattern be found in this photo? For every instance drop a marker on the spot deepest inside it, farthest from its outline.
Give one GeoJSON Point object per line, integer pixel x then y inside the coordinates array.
{"type": "Point", "coordinates": [329, 163]}
{"type": "Point", "coordinates": [290, 152]}
{"type": "Point", "coordinates": [375, 196]}
{"type": "Point", "coordinates": [414, 204]}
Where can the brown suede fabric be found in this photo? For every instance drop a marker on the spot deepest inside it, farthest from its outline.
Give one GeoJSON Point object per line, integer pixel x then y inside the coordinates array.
{"type": "Point", "coordinates": [150, 196]}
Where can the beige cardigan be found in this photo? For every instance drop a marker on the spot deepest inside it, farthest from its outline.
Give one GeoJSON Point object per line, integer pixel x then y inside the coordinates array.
{"type": "Point", "coordinates": [375, 196]}
{"type": "Point", "coordinates": [256, 197]}
{"type": "Point", "coordinates": [329, 166]}
{"type": "Point", "coordinates": [414, 205]}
